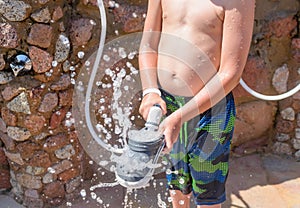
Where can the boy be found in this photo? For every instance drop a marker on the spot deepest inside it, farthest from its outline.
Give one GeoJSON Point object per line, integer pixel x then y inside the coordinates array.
{"type": "Point", "coordinates": [192, 55]}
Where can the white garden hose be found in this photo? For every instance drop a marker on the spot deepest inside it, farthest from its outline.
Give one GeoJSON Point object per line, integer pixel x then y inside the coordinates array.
{"type": "Point", "coordinates": [269, 97]}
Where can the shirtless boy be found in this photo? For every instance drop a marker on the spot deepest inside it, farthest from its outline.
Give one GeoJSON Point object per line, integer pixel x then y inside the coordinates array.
{"type": "Point", "coordinates": [194, 51]}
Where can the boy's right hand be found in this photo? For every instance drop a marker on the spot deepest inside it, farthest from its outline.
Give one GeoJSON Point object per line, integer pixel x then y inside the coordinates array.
{"type": "Point", "coordinates": [148, 101]}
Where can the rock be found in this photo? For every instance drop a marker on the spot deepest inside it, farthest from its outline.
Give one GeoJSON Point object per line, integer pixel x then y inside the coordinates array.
{"type": "Point", "coordinates": [53, 190]}
{"type": "Point", "coordinates": [10, 92]}
{"type": "Point", "coordinates": [62, 48]}
{"type": "Point", "coordinates": [31, 199]}
{"type": "Point", "coordinates": [56, 142]}
{"type": "Point", "coordinates": [284, 126]}
{"type": "Point", "coordinates": [20, 104]}
{"type": "Point", "coordinates": [296, 49]}
{"type": "Point", "coordinates": [297, 133]}
{"type": "Point", "coordinates": [8, 142]}
{"type": "Point", "coordinates": [63, 83]}
{"type": "Point", "coordinates": [280, 79]}
{"type": "Point", "coordinates": [35, 170]}
{"type": "Point", "coordinates": [41, 136]}
{"type": "Point", "coordinates": [65, 97]}
{"type": "Point", "coordinates": [281, 27]}
{"type": "Point", "coordinates": [14, 10]}
{"type": "Point", "coordinates": [281, 137]}
{"type": "Point", "coordinates": [288, 114]}
{"type": "Point", "coordinates": [57, 118]}
{"type": "Point", "coordinates": [65, 152]}
{"type": "Point", "coordinates": [49, 178]}
{"type": "Point", "coordinates": [2, 126]}
{"type": "Point", "coordinates": [69, 174]}
{"type": "Point", "coordinates": [57, 13]}
{"type": "Point", "coordinates": [40, 159]}
{"type": "Point", "coordinates": [297, 154]}
{"type": "Point", "coordinates": [298, 119]}
{"type": "Point", "coordinates": [15, 157]}
{"type": "Point", "coordinates": [48, 103]}
{"type": "Point", "coordinates": [2, 61]}
{"type": "Point", "coordinates": [5, 77]}
{"type": "Point", "coordinates": [282, 148]}
{"type": "Point", "coordinates": [29, 181]}
{"type": "Point", "coordinates": [61, 167]}
{"type": "Point", "coordinates": [43, 1]}
{"type": "Point", "coordinates": [42, 16]}
{"type": "Point", "coordinates": [41, 60]}
{"type": "Point", "coordinates": [250, 124]}
{"type": "Point", "coordinates": [9, 118]}
{"type": "Point", "coordinates": [296, 144]}
{"type": "Point", "coordinates": [5, 180]}
{"type": "Point", "coordinates": [80, 31]}
{"type": "Point", "coordinates": [27, 149]}
{"type": "Point", "coordinates": [8, 38]}
{"type": "Point", "coordinates": [34, 123]}
{"type": "Point", "coordinates": [40, 35]}
{"type": "Point", "coordinates": [73, 184]}
{"type": "Point", "coordinates": [18, 133]}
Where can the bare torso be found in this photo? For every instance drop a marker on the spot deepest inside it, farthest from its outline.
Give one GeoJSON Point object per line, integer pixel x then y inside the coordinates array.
{"type": "Point", "coordinates": [190, 45]}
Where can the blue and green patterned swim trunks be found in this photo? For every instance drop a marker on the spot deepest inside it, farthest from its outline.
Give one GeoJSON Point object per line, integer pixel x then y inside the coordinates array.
{"type": "Point", "coordinates": [199, 158]}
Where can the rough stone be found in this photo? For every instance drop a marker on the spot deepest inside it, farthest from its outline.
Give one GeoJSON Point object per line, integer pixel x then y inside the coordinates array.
{"type": "Point", "coordinates": [41, 60]}
{"type": "Point", "coordinates": [73, 184]}
{"type": "Point", "coordinates": [8, 142]}
{"type": "Point", "coordinates": [57, 118]}
{"type": "Point", "coordinates": [81, 31]}
{"type": "Point", "coordinates": [296, 144]}
{"type": "Point", "coordinates": [284, 126]}
{"type": "Point", "coordinates": [288, 114]}
{"type": "Point", "coordinates": [56, 142]}
{"type": "Point", "coordinates": [297, 133]}
{"type": "Point", "coordinates": [27, 149]}
{"type": "Point", "coordinates": [34, 123]}
{"type": "Point", "coordinates": [3, 160]}
{"type": "Point", "coordinates": [55, 189]}
{"type": "Point", "coordinates": [57, 13]}
{"type": "Point", "coordinates": [282, 148]}
{"type": "Point", "coordinates": [29, 181]}
{"type": "Point", "coordinates": [43, 1]}
{"type": "Point", "coordinates": [10, 92]}
{"type": "Point", "coordinates": [15, 157]}
{"type": "Point", "coordinates": [18, 133]}
{"type": "Point", "coordinates": [296, 49]}
{"type": "Point", "coordinates": [35, 170]}
{"type": "Point", "coordinates": [31, 199]}
{"type": "Point", "coordinates": [49, 178]}
{"type": "Point", "coordinates": [296, 96]}
{"type": "Point", "coordinates": [131, 17]}
{"type": "Point", "coordinates": [297, 154]}
{"type": "Point", "coordinates": [42, 16]}
{"type": "Point", "coordinates": [20, 104]}
{"type": "Point", "coordinates": [62, 48]}
{"type": "Point", "coordinates": [281, 27]}
{"type": "Point", "coordinates": [14, 10]}
{"type": "Point", "coordinates": [63, 83]}
{"type": "Point", "coordinates": [68, 174]}
{"type": "Point", "coordinates": [65, 152]}
{"type": "Point", "coordinates": [250, 124]}
{"type": "Point", "coordinates": [298, 119]}
{"type": "Point", "coordinates": [2, 61]}
{"type": "Point", "coordinates": [40, 159]}
{"type": "Point", "coordinates": [8, 38]}
{"type": "Point", "coordinates": [9, 118]}
{"type": "Point", "coordinates": [61, 166]}
{"type": "Point", "coordinates": [2, 126]}
{"type": "Point", "coordinates": [280, 79]}
{"type": "Point", "coordinates": [41, 136]}
{"type": "Point", "coordinates": [281, 137]}
{"type": "Point", "coordinates": [40, 35]}
{"type": "Point", "coordinates": [4, 180]}
{"type": "Point", "coordinates": [65, 97]}
{"type": "Point", "coordinates": [5, 77]}
{"type": "Point", "coordinates": [49, 102]}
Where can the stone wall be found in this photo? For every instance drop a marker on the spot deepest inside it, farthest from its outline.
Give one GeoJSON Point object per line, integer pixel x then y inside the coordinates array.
{"type": "Point", "coordinates": [45, 159]}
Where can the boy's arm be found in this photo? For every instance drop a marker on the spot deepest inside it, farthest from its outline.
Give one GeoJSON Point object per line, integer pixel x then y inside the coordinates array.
{"type": "Point", "coordinates": [148, 57]}
{"type": "Point", "coordinates": [236, 40]}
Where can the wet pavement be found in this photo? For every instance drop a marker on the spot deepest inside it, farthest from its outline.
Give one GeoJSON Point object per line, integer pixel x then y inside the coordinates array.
{"type": "Point", "coordinates": [255, 181]}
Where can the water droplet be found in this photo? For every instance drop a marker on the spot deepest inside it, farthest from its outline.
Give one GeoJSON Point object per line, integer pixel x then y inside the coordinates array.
{"type": "Point", "coordinates": [54, 63]}
{"type": "Point", "coordinates": [181, 202]}
{"type": "Point", "coordinates": [80, 54]}
{"type": "Point", "coordinates": [20, 62]}
{"type": "Point", "coordinates": [83, 193]}
{"type": "Point", "coordinates": [106, 58]}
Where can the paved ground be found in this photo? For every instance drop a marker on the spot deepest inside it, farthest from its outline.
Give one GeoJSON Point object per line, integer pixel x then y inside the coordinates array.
{"type": "Point", "coordinates": [254, 182]}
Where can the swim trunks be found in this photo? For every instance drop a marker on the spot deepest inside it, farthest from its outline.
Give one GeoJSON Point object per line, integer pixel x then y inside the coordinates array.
{"type": "Point", "coordinates": [199, 158]}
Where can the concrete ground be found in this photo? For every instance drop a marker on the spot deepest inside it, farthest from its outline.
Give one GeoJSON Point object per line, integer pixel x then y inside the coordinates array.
{"type": "Point", "coordinates": [254, 181]}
